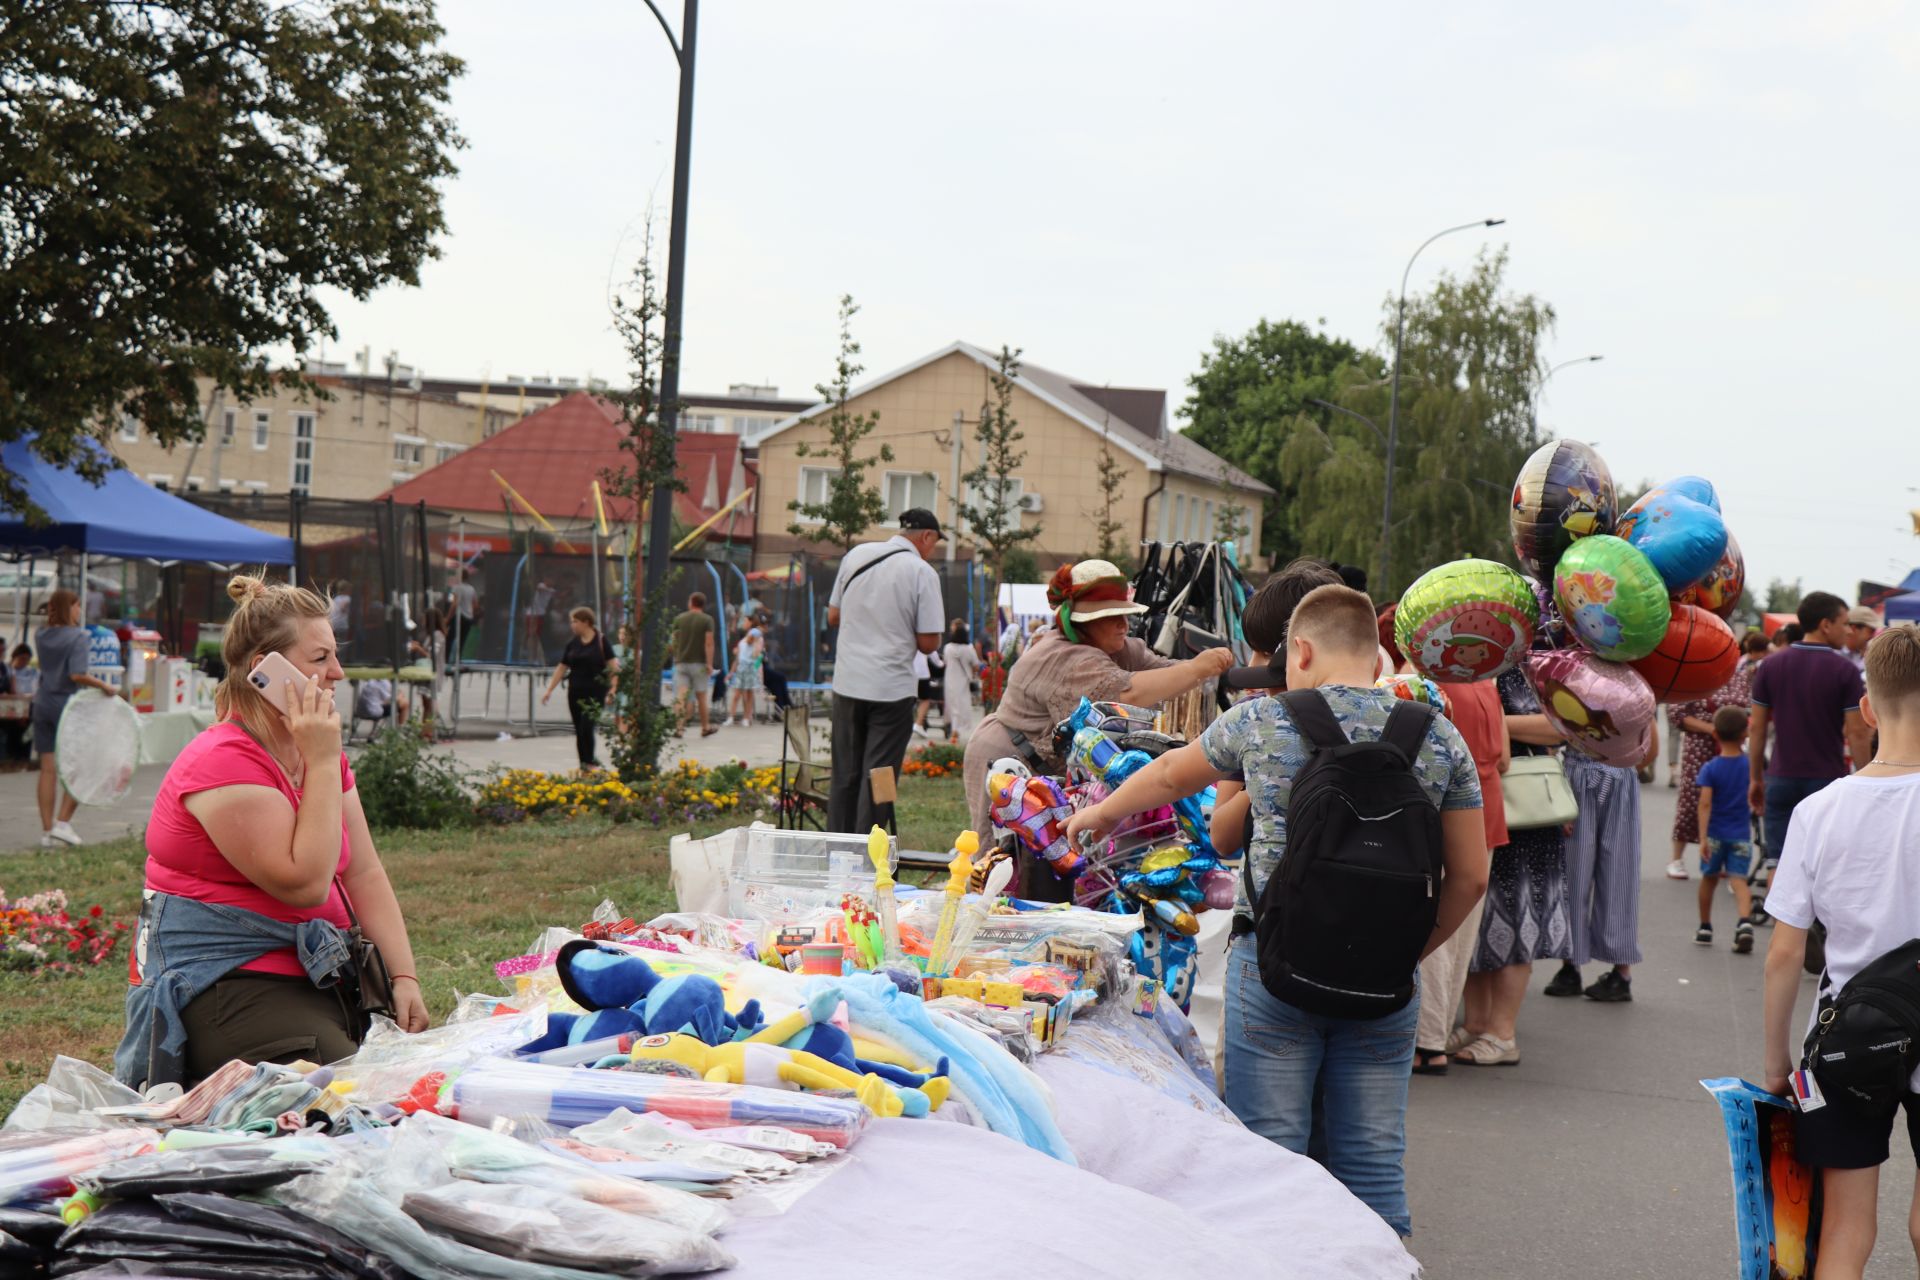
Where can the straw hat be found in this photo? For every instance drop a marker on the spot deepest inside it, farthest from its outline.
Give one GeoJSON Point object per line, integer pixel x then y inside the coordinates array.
{"type": "Point", "coordinates": [1091, 589]}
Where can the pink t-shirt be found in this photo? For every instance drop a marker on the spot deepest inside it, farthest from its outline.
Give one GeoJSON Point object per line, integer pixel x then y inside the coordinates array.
{"type": "Point", "coordinates": [183, 860]}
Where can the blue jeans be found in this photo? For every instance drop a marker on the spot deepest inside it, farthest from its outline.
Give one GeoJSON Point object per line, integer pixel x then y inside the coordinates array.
{"type": "Point", "coordinates": [1783, 796]}
{"type": "Point", "coordinates": [1276, 1054]}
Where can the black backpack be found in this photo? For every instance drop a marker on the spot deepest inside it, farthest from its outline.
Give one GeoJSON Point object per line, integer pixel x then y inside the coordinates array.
{"type": "Point", "coordinates": [1341, 924]}
{"type": "Point", "coordinates": [1865, 1041]}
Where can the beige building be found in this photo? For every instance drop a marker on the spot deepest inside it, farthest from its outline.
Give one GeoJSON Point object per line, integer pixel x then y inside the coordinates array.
{"type": "Point", "coordinates": [1172, 489]}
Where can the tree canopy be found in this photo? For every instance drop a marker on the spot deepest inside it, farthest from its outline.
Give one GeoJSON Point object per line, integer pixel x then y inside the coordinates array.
{"type": "Point", "coordinates": [182, 178]}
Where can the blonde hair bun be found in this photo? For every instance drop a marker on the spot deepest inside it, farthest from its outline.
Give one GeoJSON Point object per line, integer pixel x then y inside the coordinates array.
{"type": "Point", "coordinates": [243, 588]}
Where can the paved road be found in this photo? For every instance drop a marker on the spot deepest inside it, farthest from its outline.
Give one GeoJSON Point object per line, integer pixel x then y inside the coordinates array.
{"type": "Point", "coordinates": [1600, 1154]}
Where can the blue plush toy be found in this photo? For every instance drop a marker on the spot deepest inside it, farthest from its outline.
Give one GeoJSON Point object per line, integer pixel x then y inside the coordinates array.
{"type": "Point", "coordinates": [624, 995]}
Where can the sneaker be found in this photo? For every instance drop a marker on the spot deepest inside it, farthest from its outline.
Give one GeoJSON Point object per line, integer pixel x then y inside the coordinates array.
{"type": "Point", "coordinates": [48, 842]}
{"type": "Point", "coordinates": [1703, 936]}
{"type": "Point", "coordinates": [1743, 937]}
{"type": "Point", "coordinates": [1611, 988]}
{"type": "Point", "coordinates": [65, 834]}
{"type": "Point", "coordinates": [1677, 869]}
{"type": "Point", "coordinates": [1673, 777]}
{"type": "Point", "coordinates": [1566, 982]}
{"type": "Point", "coordinates": [919, 731]}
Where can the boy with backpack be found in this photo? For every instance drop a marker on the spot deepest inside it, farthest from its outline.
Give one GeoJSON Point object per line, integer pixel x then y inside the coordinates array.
{"type": "Point", "coordinates": [1851, 858]}
{"type": "Point", "coordinates": [1726, 828]}
{"type": "Point", "coordinates": [1367, 853]}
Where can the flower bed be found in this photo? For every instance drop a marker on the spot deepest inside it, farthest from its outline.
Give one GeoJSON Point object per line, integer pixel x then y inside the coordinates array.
{"type": "Point", "coordinates": [935, 760]}
{"type": "Point", "coordinates": [38, 935]}
{"type": "Point", "coordinates": [688, 792]}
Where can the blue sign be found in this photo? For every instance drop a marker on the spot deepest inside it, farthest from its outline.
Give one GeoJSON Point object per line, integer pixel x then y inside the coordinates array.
{"type": "Point", "coordinates": [103, 651]}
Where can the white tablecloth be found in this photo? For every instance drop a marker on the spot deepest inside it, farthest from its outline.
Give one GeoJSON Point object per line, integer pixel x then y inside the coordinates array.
{"type": "Point", "coordinates": [165, 734]}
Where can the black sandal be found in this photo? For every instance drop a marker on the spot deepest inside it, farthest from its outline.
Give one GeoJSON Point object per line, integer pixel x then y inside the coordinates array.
{"type": "Point", "coordinates": [1429, 1062]}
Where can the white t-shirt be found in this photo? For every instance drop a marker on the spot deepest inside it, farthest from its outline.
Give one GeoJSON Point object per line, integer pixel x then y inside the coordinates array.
{"type": "Point", "coordinates": [1852, 861]}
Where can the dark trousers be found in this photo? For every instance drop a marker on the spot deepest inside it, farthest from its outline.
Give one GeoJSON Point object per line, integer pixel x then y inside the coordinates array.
{"type": "Point", "coordinates": [266, 1017]}
{"type": "Point", "coordinates": [866, 735]}
{"type": "Point", "coordinates": [457, 640]}
{"type": "Point", "coordinates": [776, 685]}
{"type": "Point", "coordinates": [585, 709]}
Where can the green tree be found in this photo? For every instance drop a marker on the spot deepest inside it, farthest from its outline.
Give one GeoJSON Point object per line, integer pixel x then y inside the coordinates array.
{"type": "Point", "coordinates": [1784, 596]}
{"type": "Point", "coordinates": [1109, 530]}
{"type": "Point", "coordinates": [1019, 565]}
{"type": "Point", "coordinates": [641, 724]}
{"type": "Point", "coordinates": [989, 508]}
{"type": "Point", "coordinates": [1230, 523]}
{"type": "Point", "coordinates": [852, 505]}
{"type": "Point", "coordinates": [1249, 397]}
{"type": "Point", "coordinates": [1469, 364]}
{"type": "Point", "coordinates": [182, 179]}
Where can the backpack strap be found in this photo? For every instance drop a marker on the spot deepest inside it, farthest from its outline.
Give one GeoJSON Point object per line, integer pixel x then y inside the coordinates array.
{"type": "Point", "coordinates": [1314, 718]}
{"type": "Point", "coordinates": [1407, 727]}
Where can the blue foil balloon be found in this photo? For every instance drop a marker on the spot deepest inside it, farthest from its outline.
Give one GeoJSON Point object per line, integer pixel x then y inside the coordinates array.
{"type": "Point", "coordinates": [1683, 536]}
{"type": "Point", "coordinates": [1696, 487]}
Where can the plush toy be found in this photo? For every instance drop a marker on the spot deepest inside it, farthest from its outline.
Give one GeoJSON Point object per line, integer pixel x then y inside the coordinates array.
{"type": "Point", "coordinates": [807, 1030]}
{"type": "Point", "coordinates": [623, 994]}
{"type": "Point", "coordinates": [1036, 810]}
{"type": "Point", "coordinates": [773, 1067]}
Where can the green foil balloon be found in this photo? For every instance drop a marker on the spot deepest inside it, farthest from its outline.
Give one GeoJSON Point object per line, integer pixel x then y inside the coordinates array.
{"type": "Point", "coordinates": [1465, 621]}
{"type": "Point", "coordinates": [1611, 598]}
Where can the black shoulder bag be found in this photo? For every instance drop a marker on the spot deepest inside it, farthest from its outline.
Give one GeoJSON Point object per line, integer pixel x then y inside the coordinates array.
{"type": "Point", "coordinates": [1865, 1042]}
{"type": "Point", "coordinates": [375, 995]}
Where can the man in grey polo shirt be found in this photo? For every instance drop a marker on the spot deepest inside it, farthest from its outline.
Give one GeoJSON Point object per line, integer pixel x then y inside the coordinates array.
{"type": "Point", "coordinates": [886, 603]}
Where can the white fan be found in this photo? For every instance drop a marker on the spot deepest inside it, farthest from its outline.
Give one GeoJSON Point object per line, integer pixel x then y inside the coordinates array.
{"type": "Point", "coordinates": [99, 747]}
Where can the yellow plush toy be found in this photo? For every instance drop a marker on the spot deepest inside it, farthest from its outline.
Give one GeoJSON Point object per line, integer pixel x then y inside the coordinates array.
{"type": "Point", "coordinates": [770, 1066]}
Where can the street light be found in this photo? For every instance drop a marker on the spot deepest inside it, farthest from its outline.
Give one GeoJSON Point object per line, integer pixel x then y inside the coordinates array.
{"type": "Point", "coordinates": [1542, 386]}
{"type": "Point", "coordinates": [660, 531]}
{"type": "Point", "coordinates": [1371, 424]}
{"type": "Point", "coordinates": [1393, 401]}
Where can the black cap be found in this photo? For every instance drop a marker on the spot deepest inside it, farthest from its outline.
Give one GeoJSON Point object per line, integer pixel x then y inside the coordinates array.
{"type": "Point", "coordinates": [919, 518]}
{"type": "Point", "coordinates": [1271, 676]}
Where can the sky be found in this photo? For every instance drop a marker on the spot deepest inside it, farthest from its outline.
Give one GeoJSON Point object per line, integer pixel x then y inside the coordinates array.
{"type": "Point", "coordinates": [1719, 198]}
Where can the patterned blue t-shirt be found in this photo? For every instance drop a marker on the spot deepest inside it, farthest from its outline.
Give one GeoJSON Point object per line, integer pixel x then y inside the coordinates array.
{"type": "Point", "coordinates": [1257, 743]}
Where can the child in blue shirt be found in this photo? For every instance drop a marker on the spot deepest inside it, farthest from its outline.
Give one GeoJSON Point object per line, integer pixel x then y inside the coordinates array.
{"type": "Point", "coordinates": [1726, 844]}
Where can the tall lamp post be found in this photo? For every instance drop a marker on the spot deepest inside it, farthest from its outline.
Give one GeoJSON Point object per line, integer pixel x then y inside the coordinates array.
{"type": "Point", "coordinates": [1393, 399]}
{"type": "Point", "coordinates": [1542, 386]}
{"type": "Point", "coordinates": [660, 531]}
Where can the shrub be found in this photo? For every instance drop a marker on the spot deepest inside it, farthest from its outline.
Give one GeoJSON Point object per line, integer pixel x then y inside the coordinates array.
{"type": "Point", "coordinates": [403, 782]}
{"type": "Point", "coordinates": [688, 792]}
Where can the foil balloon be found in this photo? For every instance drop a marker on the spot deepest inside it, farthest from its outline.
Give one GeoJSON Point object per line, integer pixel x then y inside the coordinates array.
{"type": "Point", "coordinates": [1698, 488]}
{"type": "Point", "coordinates": [1465, 621]}
{"type": "Point", "coordinates": [1036, 810]}
{"type": "Point", "coordinates": [1719, 592]}
{"type": "Point", "coordinates": [1412, 688]}
{"type": "Point", "coordinates": [1697, 656]}
{"type": "Point", "coordinates": [1611, 599]}
{"type": "Point", "coordinates": [1603, 709]}
{"type": "Point", "coordinates": [1564, 492]}
{"type": "Point", "coordinates": [1682, 536]}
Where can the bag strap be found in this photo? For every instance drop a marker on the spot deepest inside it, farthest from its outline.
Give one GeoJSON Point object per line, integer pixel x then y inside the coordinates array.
{"type": "Point", "coordinates": [1407, 728]}
{"type": "Point", "coordinates": [1315, 718]}
{"type": "Point", "coordinates": [346, 900]}
{"type": "Point", "coordinates": [897, 551]}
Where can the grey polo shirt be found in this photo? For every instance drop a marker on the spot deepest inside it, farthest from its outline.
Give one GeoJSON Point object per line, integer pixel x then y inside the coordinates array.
{"type": "Point", "coordinates": [880, 617]}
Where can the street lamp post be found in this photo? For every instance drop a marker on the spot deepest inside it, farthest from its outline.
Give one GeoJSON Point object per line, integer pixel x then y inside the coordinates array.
{"type": "Point", "coordinates": [1542, 386]}
{"type": "Point", "coordinates": [1393, 399]}
{"type": "Point", "coordinates": [660, 531]}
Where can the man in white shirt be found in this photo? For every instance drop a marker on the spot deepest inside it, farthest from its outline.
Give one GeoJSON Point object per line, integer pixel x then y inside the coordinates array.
{"type": "Point", "coordinates": [886, 604]}
{"type": "Point", "coordinates": [466, 611]}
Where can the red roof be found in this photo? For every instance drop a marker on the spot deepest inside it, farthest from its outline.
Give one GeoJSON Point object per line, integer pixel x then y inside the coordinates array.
{"type": "Point", "coordinates": [553, 456]}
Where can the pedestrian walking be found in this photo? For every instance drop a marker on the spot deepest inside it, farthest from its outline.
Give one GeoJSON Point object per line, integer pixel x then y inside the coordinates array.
{"type": "Point", "coordinates": [961, 670]}
{"type": "Point", "coordinates": [591, 670]}
{"type": "Point", "coordinates": [1691, 724]}
{"type": "Point", "coordinates": [62, 647]}
{"type": "Point", "coordinates": [693, 663]}
{"type": "Point", "coordinates": [1603, 877]}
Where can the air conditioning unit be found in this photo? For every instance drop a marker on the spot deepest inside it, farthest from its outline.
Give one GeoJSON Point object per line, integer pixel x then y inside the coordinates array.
{"type": "Point", "coordinates": [1031, 502]}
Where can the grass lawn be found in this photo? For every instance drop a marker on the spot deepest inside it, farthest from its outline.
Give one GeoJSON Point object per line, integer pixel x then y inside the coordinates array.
{"type": "Point", "coordinates": [471, 897]}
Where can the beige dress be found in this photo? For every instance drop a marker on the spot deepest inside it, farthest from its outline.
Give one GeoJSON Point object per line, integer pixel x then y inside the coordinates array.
{"type": "Point", "coordinates": [1043, 689]}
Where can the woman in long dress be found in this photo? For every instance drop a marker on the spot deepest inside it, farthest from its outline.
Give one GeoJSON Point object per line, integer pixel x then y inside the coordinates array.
{"type": "Point", "coordinates": [963, 668]}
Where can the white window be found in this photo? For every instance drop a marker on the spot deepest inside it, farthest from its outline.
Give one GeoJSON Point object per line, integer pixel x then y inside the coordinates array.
{"type": "Point", "coordinates": [408, 451]}
{"type": "Point", "coordinates": [129, 428]}
{"type": "Point", "coordinates": [262, 420]}
{"type": "Point", "coordinates": [1206, 522]}
{"type": "Point", "coordinates": [1166, 515]}
{"type": "Point", "coordinates": [226, 486]}
{"type": "Point", "coordinates": [301, 481]}
{"type": "Point", "coordinates": [704, 422]}
{"type": "Point", "coordinates": [1179, 517]}
{"type": "Point", "coordinates": [904, 490]}
{"type": "Point", "coordinates": [227, 423]}
{"type": "Point", "coordinates": [256, 486]}
{"type": "Point", "coordinates": [194, 484]}
{"type": "Point", "coordinates": [813, 488]}
{"type": "Point", "coordinates": [160, 482]}
{"type": "Point", "coordinates": [442, 452]}
{"type": "Point", "coordinates": [980, 498]}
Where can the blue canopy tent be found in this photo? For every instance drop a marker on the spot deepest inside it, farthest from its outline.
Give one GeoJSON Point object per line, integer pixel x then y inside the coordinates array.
{"type": "Point", "coordinates": [124, 517]}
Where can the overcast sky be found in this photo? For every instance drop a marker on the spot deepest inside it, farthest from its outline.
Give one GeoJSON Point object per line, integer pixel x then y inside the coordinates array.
{"type": "Point", "coordinates": [1720, 198]}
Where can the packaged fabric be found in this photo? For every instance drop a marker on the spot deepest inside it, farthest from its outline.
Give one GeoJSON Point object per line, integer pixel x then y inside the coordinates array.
{"type": "Point", "coordinates": [644, 1137]}
{"type": "Point", "coordinates": [147, 1232]}
{"type": "Point", "coordinates": [69, 1099]}
{"type": "Point", "coordinates": [235, 1166]}
{"type": "Point", "coordinates": [39, 1166]}
{"type": "Point", "coordinates": [390, 1061]}
{"type": "Point", "coordinates": [538, 1224]}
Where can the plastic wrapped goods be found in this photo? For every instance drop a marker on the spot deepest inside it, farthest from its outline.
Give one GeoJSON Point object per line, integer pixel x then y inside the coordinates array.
{"type": "Point", "coordinates": [39, 1166]}
{"type": "Point", "coordinates": [574, 1096]}
{"type": "Point", "coordinates": [67, 1099]}
{"type": "Point", "coordinates": [215, 1235]}
{"type": "Point", "coordinates": [538, 1224]}
{"type": "Point", "coordinates": [234, 1166]}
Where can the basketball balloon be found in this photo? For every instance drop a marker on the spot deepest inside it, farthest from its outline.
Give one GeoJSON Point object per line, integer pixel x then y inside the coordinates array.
{"type": "Point", "coordinates": [1683, 537]}
{"type": "Point", "coordinates": [1697, 656]}
{"type": "Point", "coordinates": [1465, 621]}
{"type": "Point", "coordinates": [1610, 598]}
{"type": "Point", "coordinates": [1719, 592]}
{"type": "Point", "coordinates": [1603, 709]}
{"type": "Point", "coordinates": [1564, 491]}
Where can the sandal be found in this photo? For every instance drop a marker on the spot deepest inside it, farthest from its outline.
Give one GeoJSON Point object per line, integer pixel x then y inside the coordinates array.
{"type": "Point", "coordinates": [1459, 1039]}
{"type": "Point", "coordinates": [1429, 1062]}
{"type": "Point", "coordinates": [1489, 1051]}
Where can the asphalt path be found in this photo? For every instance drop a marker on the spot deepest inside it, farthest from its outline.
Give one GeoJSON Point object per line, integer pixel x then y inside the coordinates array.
{"type": "Point", "coordinates": [1599, 1154]}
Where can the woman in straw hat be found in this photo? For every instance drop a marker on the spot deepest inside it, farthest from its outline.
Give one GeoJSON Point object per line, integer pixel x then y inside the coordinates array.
{"type": "Point", "coordinates": [1085, 653]}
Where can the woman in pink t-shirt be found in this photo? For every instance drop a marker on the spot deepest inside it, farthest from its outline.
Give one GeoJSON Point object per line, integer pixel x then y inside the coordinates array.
{"type": "Point", "coordinates": [260, 813]}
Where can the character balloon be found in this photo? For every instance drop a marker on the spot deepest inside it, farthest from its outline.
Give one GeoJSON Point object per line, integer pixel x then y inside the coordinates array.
{"type": "Point", "coordinates": [1610, 598]}
{"type": "Point", "coordinates": [1683, 537]}
{"type": "Point", "coordinates": [1603, 709]}
{"type": "Point", "coordinates": [1465, 621]}
{"type": "Point", "coordinates": [1719, 592]}
{"type": "Point", "coordinates": [1564, 492]}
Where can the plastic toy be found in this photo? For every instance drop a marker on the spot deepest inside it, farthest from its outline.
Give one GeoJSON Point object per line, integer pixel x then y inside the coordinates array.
{"type": "Point", "coordinates": [1603, 709]}
{"type": "Point", "coordinates": [1682, 536]}
{"type": "Point", "coordinates": [1564, 492]}
{"type": "Point", "coordinates": [774, 1067]}
{"type": "Point", "coordinates": [976, 913]}
{"type": "Point", "coordinates": [1037, 811]}
{"type": "Point", "coordinates": [1719, 591]}
{"type": "Point", "coordinates": [1612, 599]}
{"type": "Point", "coordinates": [959, 871]}
{"type": "Point", "coordinates": [880, 853]}
{"type": "Point", "coordinates": [863, 928]}
{"type": "Point", "coordinates": [1697, 656]}
{"type": "Point", "coordinates": [1465, 621]}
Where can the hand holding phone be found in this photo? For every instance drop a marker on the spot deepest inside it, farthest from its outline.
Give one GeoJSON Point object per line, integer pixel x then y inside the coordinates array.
{"type": "Point", "coordinates": [279, 682]}
{"type": "Point", "coordinates": [312, 718]}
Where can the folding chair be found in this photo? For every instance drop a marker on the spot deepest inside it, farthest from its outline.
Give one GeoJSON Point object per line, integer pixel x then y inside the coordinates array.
{"type": "Point", "coordinates": [803, 779]}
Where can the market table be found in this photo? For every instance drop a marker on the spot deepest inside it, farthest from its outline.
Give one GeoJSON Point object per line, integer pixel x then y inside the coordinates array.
{"type": "Point", "coordinates": [165, 734]}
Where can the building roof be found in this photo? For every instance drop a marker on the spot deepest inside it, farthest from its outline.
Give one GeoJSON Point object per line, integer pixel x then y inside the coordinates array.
{"type": "Point", "coordinates": [552, 457]}
{"type": "Point", "coordinates": [1136, 417]}
{"type": "Point", "coordinates": [453, 388]}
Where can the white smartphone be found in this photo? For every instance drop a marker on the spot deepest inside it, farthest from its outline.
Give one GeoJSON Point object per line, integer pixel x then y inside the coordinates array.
{"type": "Point", "coordinates": [270, 678]}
